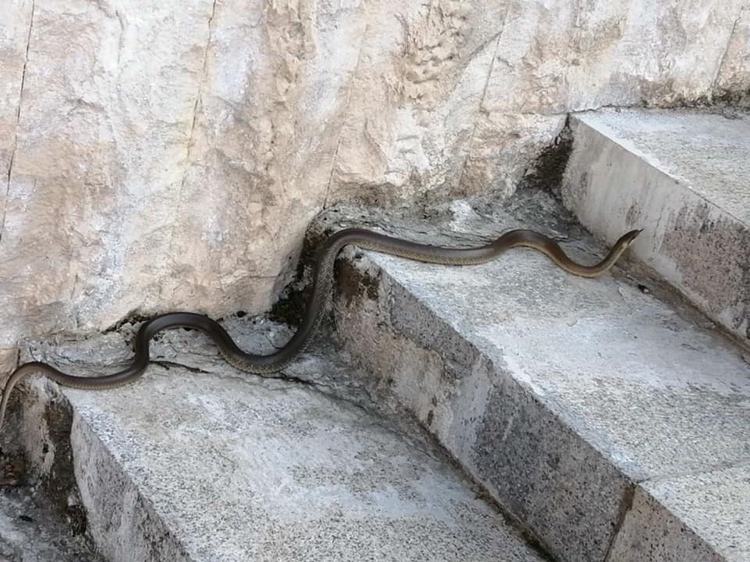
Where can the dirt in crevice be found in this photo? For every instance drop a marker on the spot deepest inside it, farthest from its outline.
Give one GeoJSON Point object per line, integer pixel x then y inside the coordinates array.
{"type": "Point", "coordinates": [353, 283]}
{"type": "Point", "coordinates": [12, 469]}
{"type": "Point", "coordinates": [546, 172]}
{"type": "Point", "coordinates": [41, 514]}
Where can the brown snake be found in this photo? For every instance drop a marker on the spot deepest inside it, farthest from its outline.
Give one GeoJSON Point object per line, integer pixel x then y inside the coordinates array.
{"type": "Point", "coordinates": [322, 281]}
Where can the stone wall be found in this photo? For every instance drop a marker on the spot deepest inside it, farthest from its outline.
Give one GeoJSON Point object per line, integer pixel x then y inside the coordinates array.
{"type": "Point", "coordinates": [167, 155]}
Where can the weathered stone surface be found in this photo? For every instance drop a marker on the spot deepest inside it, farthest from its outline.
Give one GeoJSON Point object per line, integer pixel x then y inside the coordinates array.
{"type": "Point", "coordinates": [272, 97]}
{"type": "Point", "coordinates": [29, 533]}
{"type": "Point", "coordinates": [105, 115]}
{"type": "Point", "coordinates": [198, 462]}
{"type": "Point", "coordinates": [415, 98]}
{"type": "Point", "coordinates": [14, 32]}
{"type": "Point", "coordinates": [682, 176]}
{"type": "Point", "coordinates": [693, 518]}
{"type": "Point", "coordinates": [8, 361]}
{"type": "Point", "coordinates": [558, 393]}
{"type": "Point", "coordinates": [733, 80]}
{"type": "Point", "coordinates": [559, 56]}
{"type": "Point", "coordinates": [503, 147]}
{"type": "Point", "coordinates": [171, 156]}
{"type": "Point", "coordinates": [554, 57]}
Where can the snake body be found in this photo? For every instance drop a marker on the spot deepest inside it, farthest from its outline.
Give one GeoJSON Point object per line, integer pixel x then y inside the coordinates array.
{"type": "Point", "coordinates": [322, 282]}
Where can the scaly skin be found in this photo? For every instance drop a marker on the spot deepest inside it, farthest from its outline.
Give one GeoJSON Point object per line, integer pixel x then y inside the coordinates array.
{"type": "Point", "coordinates": [267, 365]}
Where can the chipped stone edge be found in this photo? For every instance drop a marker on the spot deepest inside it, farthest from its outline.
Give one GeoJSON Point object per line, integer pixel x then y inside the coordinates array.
{"type": "Point", "coordinates": [646, 519]}
{"type": "Point", "coordinates": [122, 521]}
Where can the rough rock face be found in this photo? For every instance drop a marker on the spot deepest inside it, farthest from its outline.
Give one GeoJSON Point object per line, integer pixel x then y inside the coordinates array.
{"type": "Point", "coordinates": [733, 77]}
{"type": "Point", "coordinates": [161, 155]}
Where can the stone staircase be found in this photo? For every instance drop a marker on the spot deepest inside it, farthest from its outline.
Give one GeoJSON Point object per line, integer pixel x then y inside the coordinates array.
{"type": "Point", "coordinates": [198, 462]}
{"type": "Point", "coordinates": [608, 415]}
{"type": "Point", "coordinates": [507, 411]}
{"type": "Point", "coordinates": [685, 175]}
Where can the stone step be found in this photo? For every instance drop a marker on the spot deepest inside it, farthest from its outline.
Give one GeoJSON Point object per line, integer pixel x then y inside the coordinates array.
{"type": "Point", "coordinates": [605, 414]}
{"type": "Point", "coordinates": [684, 177]}
{"type": "Point", "coordinates": [199, 462]}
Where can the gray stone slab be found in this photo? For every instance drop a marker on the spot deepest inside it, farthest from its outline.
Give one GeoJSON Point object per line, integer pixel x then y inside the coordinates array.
{"type": "Point", "coordinates": [30, 533]}
{"type": "Point", "coordinates": [694, 518]}
{"type": "Point", "coordinates": [196, 461]}
{"type": "Point", "coordinates": [556, 392]}
{"type": "Point", "coordinates": [682, 176]}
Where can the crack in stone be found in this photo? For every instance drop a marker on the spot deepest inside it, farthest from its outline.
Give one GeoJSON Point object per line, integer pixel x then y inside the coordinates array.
{"type": "Point", "coordinates": [366, 406]}
{"type": "Point", "coordinates": [346, 109]}
{"type": "Point", "coordinates": [470, 142]}
{"type": "Point", "coordinates": [169, 364]}
{"type": "Point", "coordinates": [188, 148]}
{"type": "Point", "coordinates": [626, 505]}
{"type": "Point", "coordinates": [120, 41]}
{"type": "Point", "coordinates": [249, 378]}
{"type": "Point", "coordinates": [18, 120]}
{"type": "Point", "coordinates": [726, 51]}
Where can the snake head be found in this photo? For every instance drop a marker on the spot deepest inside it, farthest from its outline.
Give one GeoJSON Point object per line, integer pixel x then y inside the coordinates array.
{"type": "Point", "coordinates": [628, 238]}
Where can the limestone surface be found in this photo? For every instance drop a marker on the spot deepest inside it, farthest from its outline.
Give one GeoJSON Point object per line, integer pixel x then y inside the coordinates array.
{"type": "Point", "coordinates": [169, 155]}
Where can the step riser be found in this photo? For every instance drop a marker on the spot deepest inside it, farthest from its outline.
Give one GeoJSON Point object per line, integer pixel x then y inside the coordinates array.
{"type": "Point", "coordinates": [649, 532]}
{"type": "Point", "coordinates": [697, 247]}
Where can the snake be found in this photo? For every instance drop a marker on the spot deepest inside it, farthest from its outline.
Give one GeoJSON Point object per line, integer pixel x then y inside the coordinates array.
{"type": "Point", "coordinates": [275, 362]}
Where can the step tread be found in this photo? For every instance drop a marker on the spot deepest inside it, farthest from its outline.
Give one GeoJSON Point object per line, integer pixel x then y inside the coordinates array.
{"type": "Point", "coordinates": [683, 176]}
{"type": "Point", "coordinates": [200, 462]}
{"type": "Point", "coordinates": [593, 349]}
{"type": "Point", "coordinates": [708, 151]}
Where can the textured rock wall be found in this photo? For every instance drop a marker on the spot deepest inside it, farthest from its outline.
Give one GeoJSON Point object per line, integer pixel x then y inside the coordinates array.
{"type": "Point", "coordinates": [161, 155]}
